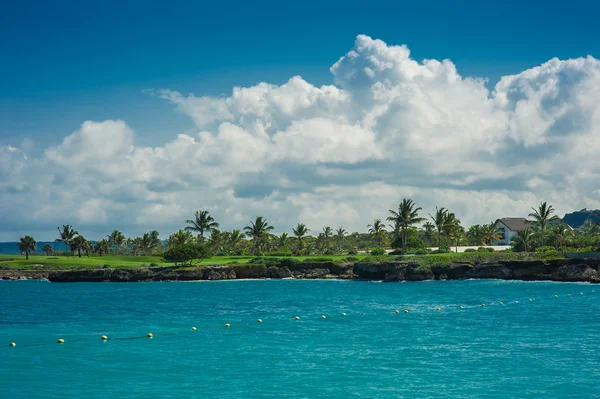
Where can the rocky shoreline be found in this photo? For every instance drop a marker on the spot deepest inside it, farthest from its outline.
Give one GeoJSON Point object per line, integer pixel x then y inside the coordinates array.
{"type": "Point", "coordinates": [569, 270]}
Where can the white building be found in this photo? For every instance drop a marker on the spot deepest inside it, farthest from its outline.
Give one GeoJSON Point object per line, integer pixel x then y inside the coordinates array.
{"type": "Point", "coordinates": [510, 227]}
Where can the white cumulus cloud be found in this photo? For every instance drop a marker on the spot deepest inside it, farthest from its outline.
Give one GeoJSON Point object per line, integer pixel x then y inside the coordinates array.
{"type": "Point", "coordinates": [389, 127]}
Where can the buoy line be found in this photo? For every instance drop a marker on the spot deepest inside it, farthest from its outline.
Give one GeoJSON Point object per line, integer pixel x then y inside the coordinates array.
{"type": "Point", "coordinates": [421, 308]}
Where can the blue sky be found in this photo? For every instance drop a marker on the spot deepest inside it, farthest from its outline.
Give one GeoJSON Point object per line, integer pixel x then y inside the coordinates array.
{"type": "Point", "coordinates": [126, 114]}
{"type": "Point", "coordinates": [65, 62]}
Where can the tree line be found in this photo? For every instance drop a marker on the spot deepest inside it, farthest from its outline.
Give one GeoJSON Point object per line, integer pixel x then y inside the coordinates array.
{"type": "Point", "coordinates": [442, 228]}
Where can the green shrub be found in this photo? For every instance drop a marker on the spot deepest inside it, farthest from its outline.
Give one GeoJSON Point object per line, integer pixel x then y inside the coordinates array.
{"type": "Point", "coordinates": [470, 250]}
{"type": "Point", "coordinates": [396, 252]}
{"type": "Point", "coordinates": [378, 252]}
{"type": "Point", "coordinates": [4, 267]}
{"type": "Point", "coordinates": [545, 248]}
{"type": "Point", "coordinates": [317, 259]}
{"type": "Point", "coordinates": [186, 254]}
{"type": "Point", "coordinates": [353, 252]}
{"type": "Point", "coordinates": [221, 253]}
{"type": "Point", "coordinates": [154, 264]}
{"type": "Point", "coordinates": [350, 259]}
{"type": "Point", "coordinates": [441, 251]}
{"type": "Point", "coordinates": [485, 249]}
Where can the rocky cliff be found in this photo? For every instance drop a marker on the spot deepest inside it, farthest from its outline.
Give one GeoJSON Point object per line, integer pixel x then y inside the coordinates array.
{"type": "Point", "coordinates": [587, 270]}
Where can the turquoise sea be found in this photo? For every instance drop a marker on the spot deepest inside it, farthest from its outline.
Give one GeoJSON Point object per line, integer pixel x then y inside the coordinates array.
{"type": "Point", "coordinates": [548, 347]}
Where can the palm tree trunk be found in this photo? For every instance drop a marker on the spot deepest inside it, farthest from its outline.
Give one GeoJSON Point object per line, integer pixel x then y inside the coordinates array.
{"type": "Point", "coordinates": [79, 252]}
{"type": "Point", "coordinates": [27, 255]}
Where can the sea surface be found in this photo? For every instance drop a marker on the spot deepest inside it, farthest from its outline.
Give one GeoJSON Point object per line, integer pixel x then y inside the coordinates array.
{"type": "Point", "coordinates": [12, 248]}
{"type": "Point", "coordinates": [548, 347]}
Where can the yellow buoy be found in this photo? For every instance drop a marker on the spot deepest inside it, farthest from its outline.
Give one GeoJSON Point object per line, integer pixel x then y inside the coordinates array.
{"type": "Point", "coordinates": [323, 317]}
{"type": "Point", "coordinates": [12, 344]}
{"type": "Point", "coordinates": [104, 338]}
{"type": "Point", "coordinates": [296, 318]}
{"type": "Point", "coordinates": [500, 303]}
{"type": "Point", "coordinates": [568, 294]}
{"type": "Point", "coordinates": [483, 304]}
{"type": "Point", "coordinates": [61, 341]}
{"type": "Point", "coordinates": [259, 320]}
{"type": "Point", "coordinates": [405, 310]}
{"type": "Point", "coordinates": [396, 311]}
{"type": "Point", "coordinates": [194, 328]}
{"type": "Point", "coordinates": [227, 325]}
{"type": "Point", "coordinates": [437, 308]}
{"type": "Point", "coordinates": [462, 307]}
{"type": "Point", "coordinates": [149, 335]}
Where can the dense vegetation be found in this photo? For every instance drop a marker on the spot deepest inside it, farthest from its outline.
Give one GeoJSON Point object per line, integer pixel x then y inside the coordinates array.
{"type": "Point", "coordinates": [201, 240]}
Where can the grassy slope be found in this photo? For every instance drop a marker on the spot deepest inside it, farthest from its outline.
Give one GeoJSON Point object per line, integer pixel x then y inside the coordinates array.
{"type": "Point", "coordinates": [73, 262]}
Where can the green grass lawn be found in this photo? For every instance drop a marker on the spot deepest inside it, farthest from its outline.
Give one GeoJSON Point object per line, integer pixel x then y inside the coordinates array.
{"type": "Point", "coordinates": [113, 261]}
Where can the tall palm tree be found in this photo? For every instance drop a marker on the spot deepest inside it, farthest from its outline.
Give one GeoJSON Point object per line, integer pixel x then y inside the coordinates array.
{"type": "Point", "coordinates": [116, 239]}
{"type": "Point", "coordinates": [66, 235]}
{"type": "Point", "coordinates": [340, 238]}
{"type": "Point", "coordinates": [405, 217]}
{"type": "Point", "coordinates": [523, 240]}
{"type": "Point", "coordinates": [440, 220]}
{"type": "Point", "coordinates": [258, 230]}
{"type": "Point", "coordinates": [453, 229]}
{"type": "Point", "coordinates": [202, 222]}
{"type": "Point", "coordinates": [377, 231]}
{"type": "Point", "coordinates": [475, 235]}
{"type": "Point", "coordinates": [27, 244]}
{"type": "Point", "coordinates": [327, 234]}
{"type": "Point", "coordinates": [78, 243]}
{"type": "Point", "coordinates": [490, 233]}
{"type": "Point", "coordinates": [428, 232]}
{"type": "Point", "coordinates": [101, 247]}
{"type": "Point", "coordinates": [542, 216]}
{"type": "Point", "coordinates": [562, 234]}
{"type": "Point", "coordinates": [300, 232]}
{"type": "Point", "coordinates": [47, 249]}
{"type": "Point", "coordinates": [147, 242]}
{"type": "Point", "coordinates": [234, 240]}
{"type": "Point", "coordinates": [282, 241]}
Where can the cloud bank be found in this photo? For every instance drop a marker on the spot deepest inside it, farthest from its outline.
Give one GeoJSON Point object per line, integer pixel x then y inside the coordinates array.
{"type": "Point", "coordinates": [339, 155]}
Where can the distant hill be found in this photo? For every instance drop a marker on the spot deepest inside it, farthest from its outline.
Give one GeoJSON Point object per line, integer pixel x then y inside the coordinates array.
{"type": "Point", "coordinates": [578, 219]}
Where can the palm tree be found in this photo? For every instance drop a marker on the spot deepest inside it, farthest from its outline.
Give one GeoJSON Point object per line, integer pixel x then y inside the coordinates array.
{"type": "Point", "coordinates": [523, 240]}
{"type": "Point", "coordinates": [116, 239]}
{"type": "Point", "coordinates": [327, 234]}
{"type": "Point", "coordinates": [202, 222]}
{"type": "Point", "coordinates": [101, 247]}
{"type": "Point", "coordinates": [377, 231]}
{"type": "Point", "coordinates": [300, 232]}
{"type": "Point", "coordinates": [147, 242]}
{"type": "Point", "coordinates": [340, 237]}
{"type": "Point", "coordinates": [282, 241]}
{"type": "Point", "coordinates": [428, 232]}
{"type": "Point", "coordinates": [27, 244]}
{"type": "Point", "coordinates": [47, 249]}
{"type": "Point", "coordinates": [78, 243]}
{"type": "Point", "coordinates": [405, 217]}
{"type": "Point", "coordinates": [542, 216]}
{"type": "Point", "coordinates": [490, 233]}
{"type": "Point", "coordinates": [439, 220]}
{"type": "Point", "coordinates": [66, 235]}
{"type": "Point", "coordinates": [453, 229]}
{"type": "Point", "coordinates": [562, 234]}
{"type": "Point", "coordinates": [234, 240]}
{"type": "Point", "coordinates": [180, 237]}
{"type": "Point", "coordinates": [475, 235]}
{"type": "Point", "coordinates": [258, 230]}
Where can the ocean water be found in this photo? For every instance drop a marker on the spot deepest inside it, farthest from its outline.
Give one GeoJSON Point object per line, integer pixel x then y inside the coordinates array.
{"type": "Point", "coordinates": [545, 348]}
